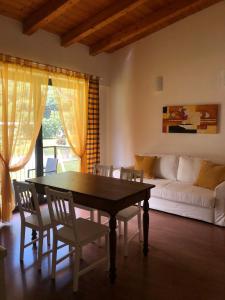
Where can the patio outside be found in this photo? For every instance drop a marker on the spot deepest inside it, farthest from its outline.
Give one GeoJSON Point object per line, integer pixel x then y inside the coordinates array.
{"type": "Point", "coordinates": [54, 143]}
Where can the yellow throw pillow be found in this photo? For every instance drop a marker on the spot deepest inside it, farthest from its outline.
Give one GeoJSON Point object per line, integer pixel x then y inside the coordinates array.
{"type": "Point", "coordinates": [145, 163]}
{"type": "Point", "coordinates": [210, 175]}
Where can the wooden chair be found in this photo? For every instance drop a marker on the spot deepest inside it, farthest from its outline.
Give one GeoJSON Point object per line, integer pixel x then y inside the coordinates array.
{"type": "Point", "coordinates": [50, 168]}
{"type": "Point", "coordinates": [32, 216]}
{"type": "Point", "coordinates": [101, 170]}
{"type": "Point", "coordinates": [125, 215]}
{"type": "Point", "coordinates": [74, 232]}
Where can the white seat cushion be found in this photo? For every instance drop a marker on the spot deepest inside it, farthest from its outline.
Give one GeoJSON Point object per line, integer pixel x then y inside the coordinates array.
{"type": "Point", "coordinates": [124, 214]}
{"type": "Point", "coordinates": [83, 207]}
{"type": "Point", "coordinates": [185, 193]}
{"type": "Point", "coordinates": [127, 213]}
{"type": "Point", "coordinates": [32, 219]}
{"type": "Point", "coordinates": [86, 230]}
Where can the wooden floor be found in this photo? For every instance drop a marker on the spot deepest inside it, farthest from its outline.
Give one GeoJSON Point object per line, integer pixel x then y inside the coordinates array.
{"type": "Point", "coordinates": [186, 261]}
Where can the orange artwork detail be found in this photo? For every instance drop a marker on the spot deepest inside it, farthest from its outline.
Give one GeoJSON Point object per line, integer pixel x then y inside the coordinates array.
{"type": "Point", "coordinates": [190, 118]}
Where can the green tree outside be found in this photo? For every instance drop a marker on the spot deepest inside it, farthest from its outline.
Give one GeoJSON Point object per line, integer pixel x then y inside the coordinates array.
{"type": "Point", "coordinates": [52, 127]}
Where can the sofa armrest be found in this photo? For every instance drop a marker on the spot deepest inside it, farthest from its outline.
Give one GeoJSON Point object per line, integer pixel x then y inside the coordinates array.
{"type": "Point", "coordinates": [220, 204]}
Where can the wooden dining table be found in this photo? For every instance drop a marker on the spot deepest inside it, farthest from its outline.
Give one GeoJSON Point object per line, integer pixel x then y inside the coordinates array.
{"type": "Point", "coordinates": [103, 193]}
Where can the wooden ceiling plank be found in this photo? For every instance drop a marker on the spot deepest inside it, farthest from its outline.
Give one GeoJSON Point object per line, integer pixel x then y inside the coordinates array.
{"type": "Point", "coordinates": [100, 20]}
{"type": "Point", "coordinates": [154, 22]}
{"type": "Point", "coordinates": [45, 14]}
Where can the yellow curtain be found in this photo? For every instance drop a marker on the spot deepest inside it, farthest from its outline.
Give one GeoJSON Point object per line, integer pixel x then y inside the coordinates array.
{"type": "Point", "coordinates": [23, 92]}
{"type": "Point", "coordinates": [71, 94]}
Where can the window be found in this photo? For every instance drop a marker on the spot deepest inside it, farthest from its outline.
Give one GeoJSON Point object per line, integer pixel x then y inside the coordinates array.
{"type": "Point", "coordinates": [55, 143]}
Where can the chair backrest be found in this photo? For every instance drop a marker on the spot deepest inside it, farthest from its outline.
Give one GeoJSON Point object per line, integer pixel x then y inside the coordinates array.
{"type": "Point", "coordinates": [131, 174]}
{"type": "Point", "coordinates": [103, 170]}
{"type": "Point", "coordinates": [26, 199]}
{"type": "Point", "coordinates": [51, 166]}
{"type": "Point", "coordinates": [61, 210]}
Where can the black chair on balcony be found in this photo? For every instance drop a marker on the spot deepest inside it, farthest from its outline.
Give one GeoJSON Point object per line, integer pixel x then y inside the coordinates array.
{"type": "Point", "coordinates": [50, 168]}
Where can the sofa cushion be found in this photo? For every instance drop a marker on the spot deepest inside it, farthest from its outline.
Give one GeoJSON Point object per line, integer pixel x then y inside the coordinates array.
{"type": "Point", "coordinates": [210, 175]}
{"type": "Point", "coordinates": [145, 163]}
{"type": "Point", "coordinates": [166, 166]}
{"type": "Point", "coordinates": [184, 193]}
{"type": "Point", "coordinates": [188, 169]}
{"type": "Point", "coordinates": [158, 182]}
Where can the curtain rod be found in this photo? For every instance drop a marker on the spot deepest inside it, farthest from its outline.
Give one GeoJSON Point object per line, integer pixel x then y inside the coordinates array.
{"type": "Point", "coordinates": [42, 66]}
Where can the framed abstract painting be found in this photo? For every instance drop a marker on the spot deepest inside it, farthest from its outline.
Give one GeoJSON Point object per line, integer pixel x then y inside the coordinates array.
{"type": "Point", "coordinates": [190, 118]}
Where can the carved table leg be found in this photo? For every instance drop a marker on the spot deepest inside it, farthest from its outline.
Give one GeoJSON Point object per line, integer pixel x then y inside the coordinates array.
{"type": "Point", "coordinates": [112, 248]}
{"type": "Point", "coordinates": [145, 225]}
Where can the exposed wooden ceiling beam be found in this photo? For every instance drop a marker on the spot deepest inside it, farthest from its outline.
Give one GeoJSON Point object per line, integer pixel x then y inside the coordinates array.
{"type": "Point", "coordinates": [100, 20]}
{"type": "Point", "coordinates": [45, 14]}
{"type": "Point", "coordinates": [154, 22]}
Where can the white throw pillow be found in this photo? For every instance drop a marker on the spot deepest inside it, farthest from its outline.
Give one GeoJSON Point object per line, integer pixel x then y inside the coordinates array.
{"type": "Point", "coordinates": [188, 169]}
{"type": "Point", "coordinates": [166, 166]}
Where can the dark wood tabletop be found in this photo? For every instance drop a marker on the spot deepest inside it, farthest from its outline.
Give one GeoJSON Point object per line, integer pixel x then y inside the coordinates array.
{"type": "Point", "coordinates": [103, 193]}
{"type": "Point", "coordinates": [106, 193]}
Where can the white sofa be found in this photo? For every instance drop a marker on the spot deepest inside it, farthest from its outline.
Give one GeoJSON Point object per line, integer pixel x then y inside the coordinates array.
{"type": "Point", "coordinates": [175, 193]}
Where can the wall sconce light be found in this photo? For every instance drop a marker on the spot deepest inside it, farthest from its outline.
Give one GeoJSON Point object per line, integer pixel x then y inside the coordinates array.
{"type": "Point", "coordinates": [159, 84]}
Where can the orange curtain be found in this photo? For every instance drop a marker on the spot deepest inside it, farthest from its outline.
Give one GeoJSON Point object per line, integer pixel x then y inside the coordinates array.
{"type": "Point", "coordinates": [23, 92]}
{"type": "Point", "coordinates": [71, 94]}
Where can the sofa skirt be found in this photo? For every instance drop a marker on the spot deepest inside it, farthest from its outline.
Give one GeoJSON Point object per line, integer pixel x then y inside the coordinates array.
{"type": "Point", "coordinates": [182, 209]}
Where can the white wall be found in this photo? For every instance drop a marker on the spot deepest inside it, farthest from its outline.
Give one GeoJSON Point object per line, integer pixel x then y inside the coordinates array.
{"type": "Point", "coordinates": [190, 55]}
{"type": "Point", "coordinates": [45, 47]}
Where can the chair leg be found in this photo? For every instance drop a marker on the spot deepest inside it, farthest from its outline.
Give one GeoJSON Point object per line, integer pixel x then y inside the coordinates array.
{"type": "Point", "coordinates": [107, 250]}
{"type": "Point", "coordinates": [92, 216]}
{"type": "Point", "coordinates": [48, 237]}
{"type": "Point", "coordinates": [99, 222]}
{"type": "Point", "coordinates": [99, 217]}
{"type": "Point", "coordinates": [120, 228]}
{"type": "Point", "coordinates": [40, 246]}
{"type": "Point", "coordinates": [81, 253]}
{"type": "Point", "coordinates": [76, 269]}
{"type": "Point", "coordinates": [54, 256]}
{"type": "Point", "coordinates": [139, 226]}
{"type": "Point", "coordinates": [125, 238]}
{"type": "Point", "coordinates": [22, 241]}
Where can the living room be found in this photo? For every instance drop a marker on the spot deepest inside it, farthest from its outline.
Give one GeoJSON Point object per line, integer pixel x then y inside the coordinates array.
{"type": "Point", "coordinates": [180, 64]}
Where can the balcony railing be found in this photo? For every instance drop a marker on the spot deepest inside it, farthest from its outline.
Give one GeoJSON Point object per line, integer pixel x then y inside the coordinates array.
{"type": "Point", "coordinates": [68, 161]}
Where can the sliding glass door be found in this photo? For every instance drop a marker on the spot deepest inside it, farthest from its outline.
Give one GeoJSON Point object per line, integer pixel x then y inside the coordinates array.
{"type": "Point", "coordinates": [54, 140]}
{"type": "Point", "coordinates": [51, 142]}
